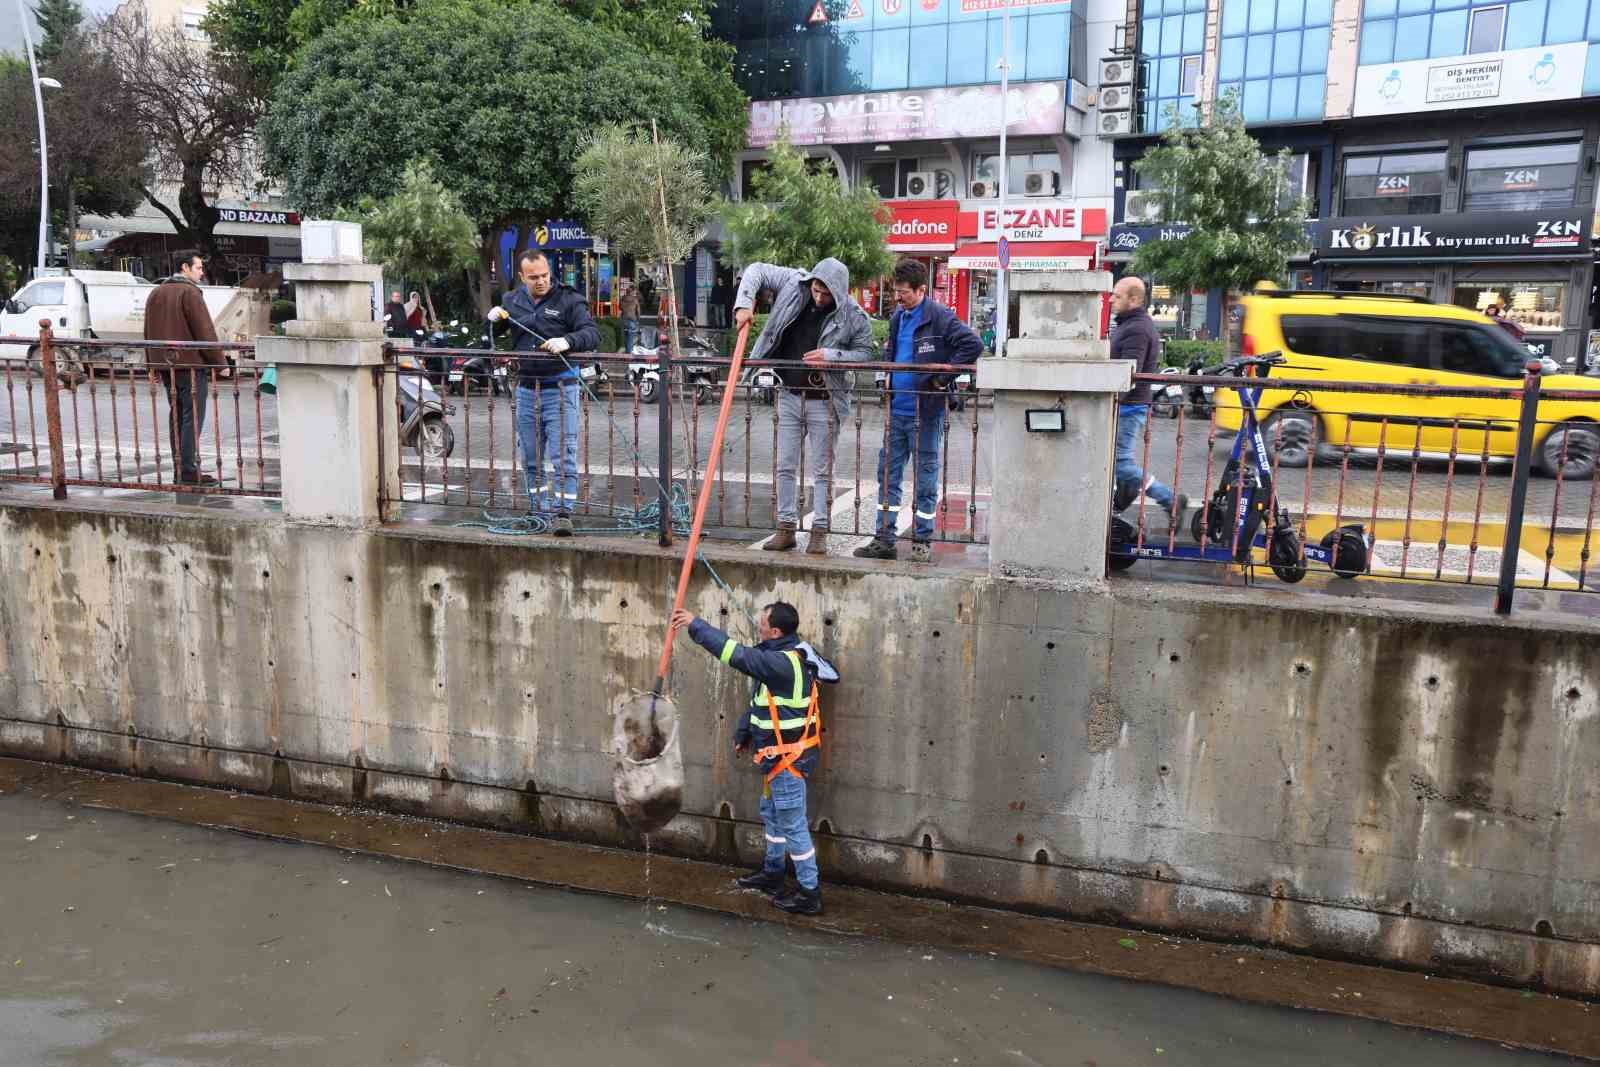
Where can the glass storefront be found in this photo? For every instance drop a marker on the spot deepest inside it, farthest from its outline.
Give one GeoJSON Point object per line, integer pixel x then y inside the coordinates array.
{"type": "Point", "coordinates": [1521, 178]}
{"type": "Point", "coordinates": [1394, 183]}
{"type": "Point", "coordinates": [1535, 306]}
{"type": "Point", "coordinates": [1407, 287]}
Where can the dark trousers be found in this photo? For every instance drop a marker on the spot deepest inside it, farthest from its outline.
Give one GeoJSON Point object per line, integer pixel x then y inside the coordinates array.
{"type": "Point", "coordinates": [186, 401]}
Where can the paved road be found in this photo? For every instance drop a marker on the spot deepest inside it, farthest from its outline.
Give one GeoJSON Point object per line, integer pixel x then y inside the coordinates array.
{"type": "Point", "coordinates": [129, 940]}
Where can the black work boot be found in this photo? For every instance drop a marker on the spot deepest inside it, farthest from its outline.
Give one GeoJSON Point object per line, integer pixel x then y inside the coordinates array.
{"type": "Point", "coordinates": [801, 901]}
{"type": "Point", "coordinates": [768, 882]}
{"type": "Point", "coordinates": [877, 549]}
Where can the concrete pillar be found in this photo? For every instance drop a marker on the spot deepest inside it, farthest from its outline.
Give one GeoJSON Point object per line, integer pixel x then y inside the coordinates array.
{"type": "Point", "coordinates": [1052, 491]}
{"type": "Point", "coordinates": [333, 397]}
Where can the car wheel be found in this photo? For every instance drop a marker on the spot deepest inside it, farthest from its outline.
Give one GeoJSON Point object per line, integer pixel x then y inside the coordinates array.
{"type": "Point", "coordinates": [1572, 449]}
{"type": "Point", "coordinates": [438, 440]}
{"type": "Point", "coordinates": [1288, 436]}
{"type": "Point", "coordinates": [647, 390]}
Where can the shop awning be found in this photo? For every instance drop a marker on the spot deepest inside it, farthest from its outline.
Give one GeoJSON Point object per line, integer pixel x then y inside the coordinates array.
{"type": "Point", "coordinates": [1025, 255]}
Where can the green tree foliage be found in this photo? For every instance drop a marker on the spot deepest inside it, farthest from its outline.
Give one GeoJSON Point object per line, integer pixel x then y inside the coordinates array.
{"type": "Point", "coordinates": [59, 23]}
{"type": "Point", "coordinates": [419, 231]}
{"type": "Point", "coordinates": [1215, 177]}
{"type": "Point", "coordinates": [268, 36]}
{"type": "Point", "coordinates": [498, 97]}
{"type": "Point", "coordinates": [796, 215]}
{"type": "Point", "coordinates": [649, 196]}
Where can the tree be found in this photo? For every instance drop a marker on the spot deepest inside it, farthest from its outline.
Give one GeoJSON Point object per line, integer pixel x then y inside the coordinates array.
{"type": "Point", "coordinates": [269, 35]}
{"type": "Point", "coordinates": [195, 105]}
{"type": "Point", "coordinates": [796, 216]}
{"type": "Point", "coordinates": [649, 196]}
{"type": "Point", "coordinates": [481, 89]}
{"type": "Point", "coordinates": [95, 161]}
{"type": "Point", "coordinates": [59, 21]}
{"type": "Point", "coordinates": [419, 231]}
{"type": "Point", "coordinates": [1243, 224]}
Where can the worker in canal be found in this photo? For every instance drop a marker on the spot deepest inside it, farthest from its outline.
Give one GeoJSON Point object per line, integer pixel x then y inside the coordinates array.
{"type": "Point", "coordinates": [781, 727]}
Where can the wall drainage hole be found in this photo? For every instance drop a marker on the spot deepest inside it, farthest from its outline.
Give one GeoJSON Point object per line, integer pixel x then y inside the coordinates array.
{"type": "Point", "coordinates": [1174, 658]}
{"type": "Point", "coordinates": [1302, 668]}
{"type": "Point", "coordinates": [1041, 857]}
{"type": "Point", "coordinates": [725, 811]}
{"type": "Point", "coordinates": [1573, 694]}
{"type": "Point", "coordinates": [1050, 646]}
{"type": "Point", "coordinates": [526, 595]}
{"type": "Point", "coordinates": [623, 605]}
{"type": "Point", "coordinates": [1432, 682]}
{"type": "Point", "coordinates": [1543, 928]}
{"type": "Point", "coordinates": [927, 843]}
{"type": "Point", "coordinates": [937, 634]}
{"type": "Point", "coordinates": [266, 574]}
{"type": "Point", "coordinates": [825, 827]}
{"type": "Point", "coordinates": [437, 587]}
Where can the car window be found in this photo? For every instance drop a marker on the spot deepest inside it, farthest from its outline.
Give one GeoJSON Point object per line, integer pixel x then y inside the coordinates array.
{"type": "Point", "coordinates": [1383, 339]}
{"type": "Point", "coordinates": [42, 294]}
{"type": "Point", "coordinates": [1465, 348]}
{"type": "Point", "coordinates": [1314, 335]}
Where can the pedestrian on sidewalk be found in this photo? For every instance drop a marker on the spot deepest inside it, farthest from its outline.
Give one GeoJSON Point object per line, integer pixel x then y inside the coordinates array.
{"type": "Point", "coordinates": [628, 304]}
{"type": "Point", "coordinates": [548, 321]}
{"type": "Point", "coordinates": [1136, 339]}
{"type": "Point", "coordinates": [921, 330]}
{"type": "Point", "coordinates": [176, 311]}
{"type": "Point", "coordinates": [782, 724]}
{"type": "Point", "coordinates": [816, 329]}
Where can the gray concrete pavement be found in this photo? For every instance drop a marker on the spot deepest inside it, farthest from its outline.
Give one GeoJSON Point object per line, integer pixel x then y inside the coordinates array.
{"type": "Point", "coordinates": [133, 940]}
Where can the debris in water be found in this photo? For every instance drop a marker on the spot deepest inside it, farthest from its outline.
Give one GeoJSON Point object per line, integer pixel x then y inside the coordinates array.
{"type": "Point", "coordinates": [33, 837]}
{"type": "Point", "coordinates": [1128, 942]}
{"type": "Point", "coordinates": [386, 892]}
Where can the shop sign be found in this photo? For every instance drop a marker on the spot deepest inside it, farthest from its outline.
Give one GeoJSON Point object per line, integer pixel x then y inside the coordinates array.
{"type": "Point", "coordinates": [264, 218]}
{"type": "Point", "coordinates": [923, 225]}
{"type": "Point", "coordinates": [914, 115]}
{"type": "Point", "coordinates": [560, 233]}
{"type": "Point", "coordinates": [1460, 236]}
{"type": "Point", "coordinates": [1039, 220]}
{"type": "Point", "coordinates": [1520, 76]}
{"type": "Point", "coordinates": [1127, 238]}
{"type": "Point", "coordinates": [1394, 185]}
{"type": "Point", "coordinates": [969, 7]}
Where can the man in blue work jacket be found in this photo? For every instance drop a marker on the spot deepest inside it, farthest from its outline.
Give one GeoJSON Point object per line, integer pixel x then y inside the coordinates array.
{"type": "Point", "coordinates": [783, 726]}
{"type": "Point", "coordinates": [548, 321]}
{"type": "Point", "coordinates": [921, 331]}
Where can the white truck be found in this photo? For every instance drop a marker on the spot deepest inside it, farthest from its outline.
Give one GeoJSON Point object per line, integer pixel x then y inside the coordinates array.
{"type": "Point", "coordinates": [109, 305]}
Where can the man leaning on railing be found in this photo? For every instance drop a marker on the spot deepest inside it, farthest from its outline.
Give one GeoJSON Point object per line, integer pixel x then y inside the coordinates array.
{"type": "Point", "coordinates": [920, 331]}
{"type": "Point", "coordinates": [177, 311]}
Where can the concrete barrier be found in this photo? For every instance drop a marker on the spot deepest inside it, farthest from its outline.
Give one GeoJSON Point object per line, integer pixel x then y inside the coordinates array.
{"type": "Point", "coordinates": [1388, 784]}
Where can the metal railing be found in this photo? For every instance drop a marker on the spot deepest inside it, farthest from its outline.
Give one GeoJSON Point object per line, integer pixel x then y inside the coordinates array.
{"type": "Point", "coordinates": [474, 457]}
{"type": "Point", "coordinates": [1467, 485]}
{"type": "Point", "coordinates": [78, 412]}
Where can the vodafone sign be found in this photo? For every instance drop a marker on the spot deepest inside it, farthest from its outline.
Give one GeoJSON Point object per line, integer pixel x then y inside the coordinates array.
{"type": "Point", "coordinates": [923, 225]}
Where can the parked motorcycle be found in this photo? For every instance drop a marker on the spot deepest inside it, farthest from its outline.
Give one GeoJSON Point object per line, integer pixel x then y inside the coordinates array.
{"type": "Point", "coordinates": [703, 379]}
{"type": "Point", "coordinates": [422, 412]}
{"type": "Point", "coordinates": [484, 372]}
{"type": "Point", "coordinates": [761, 383]}
{"type": "Point", "coordinates": [1166, 400]}
{"type": "Point", "coordinates": [1201, 402]}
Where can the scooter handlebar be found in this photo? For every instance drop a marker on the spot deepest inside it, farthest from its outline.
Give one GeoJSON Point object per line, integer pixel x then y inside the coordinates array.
{"type": "Point", "coordinates": [1240, 363]}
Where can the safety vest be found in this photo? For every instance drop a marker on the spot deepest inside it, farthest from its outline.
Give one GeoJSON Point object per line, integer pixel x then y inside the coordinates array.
{"type": "Point", "coordinates": [808, 722]}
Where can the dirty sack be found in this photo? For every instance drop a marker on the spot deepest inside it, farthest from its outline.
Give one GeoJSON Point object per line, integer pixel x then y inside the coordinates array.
{"type": "Point", "coordinates": [647, 775]}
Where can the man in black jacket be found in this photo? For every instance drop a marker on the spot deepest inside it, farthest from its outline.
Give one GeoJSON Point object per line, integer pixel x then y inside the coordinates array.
{"type": "Point", "coordinates": [1135, 339]}
{"type": "Point", "coordinates": [547, 322]}
{"type": "Point", "coordinates": [782, 724]}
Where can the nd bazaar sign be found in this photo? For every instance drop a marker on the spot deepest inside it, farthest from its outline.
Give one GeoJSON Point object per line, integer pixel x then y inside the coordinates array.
{"type": "Point", "coordinates": [264, 218]}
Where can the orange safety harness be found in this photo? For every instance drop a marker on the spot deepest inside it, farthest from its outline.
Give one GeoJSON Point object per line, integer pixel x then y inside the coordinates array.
{"type": "Point", "coordinates": [788, 752]}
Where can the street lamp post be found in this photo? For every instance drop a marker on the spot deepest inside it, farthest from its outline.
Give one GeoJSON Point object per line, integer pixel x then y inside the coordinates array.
{"type": "Point", "coordinates": [1002, 306]}
{"type": "Point", "coordinates": [39, 85]}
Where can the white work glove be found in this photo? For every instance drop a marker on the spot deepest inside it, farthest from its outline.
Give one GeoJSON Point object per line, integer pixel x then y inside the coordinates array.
{"type": "Point", "coordinates": [557, 345]}
{"type": "Point", "coordinates": [498, 314]}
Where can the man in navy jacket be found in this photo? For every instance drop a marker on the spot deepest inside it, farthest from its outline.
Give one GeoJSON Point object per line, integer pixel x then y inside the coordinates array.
{"type": "Point", "coordinates": [547, 321]}
{"type": "Point", "coordinates": [785, 672]}
{"type": "Point", "coordinates": [921, 331]}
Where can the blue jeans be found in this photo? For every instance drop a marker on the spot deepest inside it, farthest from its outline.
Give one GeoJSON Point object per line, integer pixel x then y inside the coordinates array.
{"type": "Point", "coordinates": [1130, 445]}
{"type": "Point", "coordinates": [906, 439]}
{"type": "Point", "coordinates": [630, 334]}
{"type": "Point", "coordinates": [547, 425]}
{"type": "Point", "coordinates": [783, 820]}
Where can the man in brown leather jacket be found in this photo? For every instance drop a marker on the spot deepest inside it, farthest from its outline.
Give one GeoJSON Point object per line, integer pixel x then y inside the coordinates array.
{"type": "Point", "coordinates": [177, 311]}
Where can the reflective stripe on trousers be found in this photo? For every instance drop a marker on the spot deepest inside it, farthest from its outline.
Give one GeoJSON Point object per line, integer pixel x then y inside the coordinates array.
{"type": "Point", "coordinates": [783, 817]}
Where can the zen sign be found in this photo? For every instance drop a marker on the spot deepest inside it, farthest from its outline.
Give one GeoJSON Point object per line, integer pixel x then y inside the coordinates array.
{"type": "Point", "coordinates": [1046, 220]}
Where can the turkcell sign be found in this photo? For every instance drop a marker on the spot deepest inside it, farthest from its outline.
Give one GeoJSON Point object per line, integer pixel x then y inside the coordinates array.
{"type": "Point", "coordinates": [1503, 233]}
{"type": "Point", "coordinates": [560, 233]}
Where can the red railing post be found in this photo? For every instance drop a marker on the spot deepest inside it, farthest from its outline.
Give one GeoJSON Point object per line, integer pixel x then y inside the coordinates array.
{"type": "Point", "coordinates": [52, 411]}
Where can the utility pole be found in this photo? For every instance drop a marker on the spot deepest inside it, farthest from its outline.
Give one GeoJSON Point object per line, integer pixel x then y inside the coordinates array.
{"type": "Point", "coordinates": [1002, 304]}
{"type": "Point", "coordinates": [44, 150]}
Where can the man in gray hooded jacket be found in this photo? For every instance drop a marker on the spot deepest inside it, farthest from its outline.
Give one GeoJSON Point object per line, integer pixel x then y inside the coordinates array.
{"type": "Point", "coordinates": [815, 327]}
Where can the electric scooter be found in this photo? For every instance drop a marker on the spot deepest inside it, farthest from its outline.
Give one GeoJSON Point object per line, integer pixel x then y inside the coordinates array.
{"type": "Point", "coordinates": [1241, 515]}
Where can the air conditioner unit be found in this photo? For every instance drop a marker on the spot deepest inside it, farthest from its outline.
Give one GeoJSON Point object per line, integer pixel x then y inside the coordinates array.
{"type": "Point", "coordinates": [921, 185]}
{"type": "Point", "coordinates": [1041, 183]}
{"type": "Point", "coordinates": [1141, 206]}
{"type": "Point", "coordinates": [985, 189]}
{"type": "Point", "coordinates": [1116, 98]}
{"type": "Point", "coordinates": [1115, 123]}
{"type": "Point", "coordinates": [1118, 70]}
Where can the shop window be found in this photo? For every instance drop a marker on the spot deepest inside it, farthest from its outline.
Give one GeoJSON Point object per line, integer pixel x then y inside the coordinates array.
{"type": "Point", "coordinates": [1394, 183]}
{"type": "Point", "coordinates": [1487, 31]}
{"type": "Point", "coordinates": [880, 176]}
{"type": "Point", "coordinates": [1523, 178]}
{"type": "Point", "coordinates": [1535, 306]}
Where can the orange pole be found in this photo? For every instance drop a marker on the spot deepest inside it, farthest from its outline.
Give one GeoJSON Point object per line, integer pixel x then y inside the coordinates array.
{"type": "Point", "coordinates": [703, 499]}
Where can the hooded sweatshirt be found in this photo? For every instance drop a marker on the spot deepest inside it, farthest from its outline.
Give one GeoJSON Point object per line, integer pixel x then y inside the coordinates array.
{"type": "Point", "coordinates": [845, 332]}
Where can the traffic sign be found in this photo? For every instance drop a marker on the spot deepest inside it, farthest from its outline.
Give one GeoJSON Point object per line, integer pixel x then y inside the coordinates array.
{"type": "Point", "coordinates": [1003, 253]}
